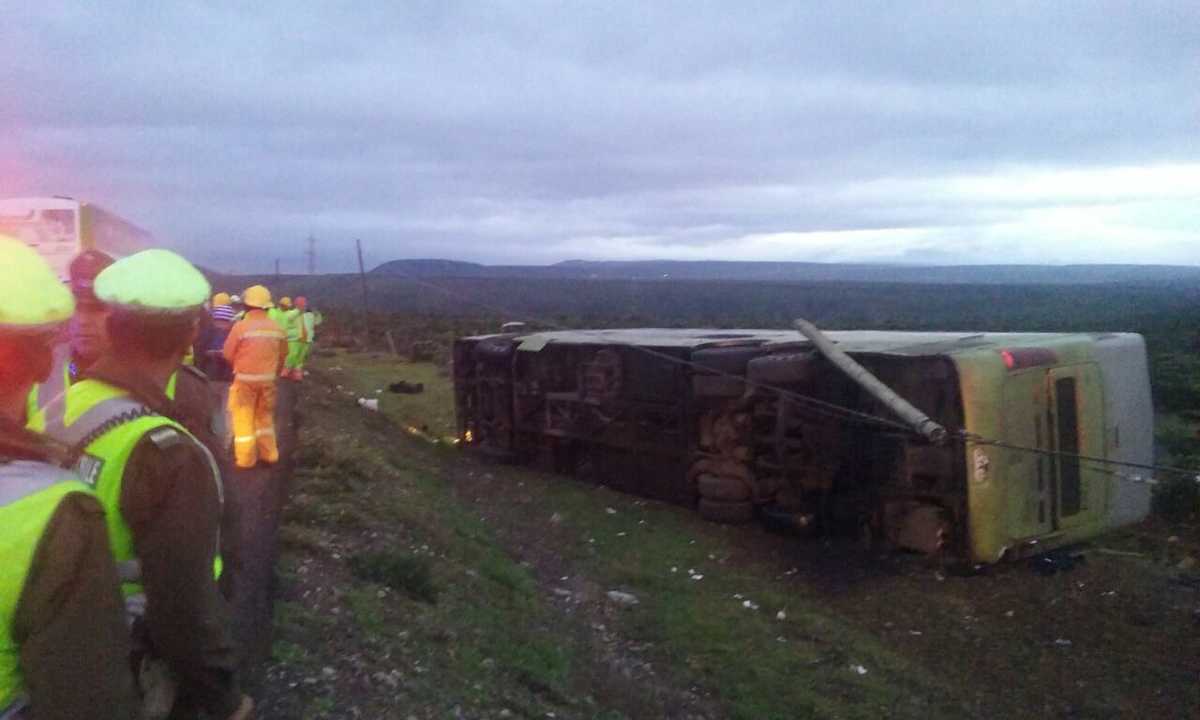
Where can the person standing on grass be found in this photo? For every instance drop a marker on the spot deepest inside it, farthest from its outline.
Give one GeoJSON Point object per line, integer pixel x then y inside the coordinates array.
{"type": "Point", "coordinates": [300, 327]}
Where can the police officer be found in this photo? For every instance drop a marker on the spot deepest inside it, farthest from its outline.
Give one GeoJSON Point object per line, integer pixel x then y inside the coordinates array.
{"type": "Point", "coordinates": [160, 486]}
{"type": "Point", "coordinates": [63, 641]}
{"type": "Point", "coordinates": [86, 339]}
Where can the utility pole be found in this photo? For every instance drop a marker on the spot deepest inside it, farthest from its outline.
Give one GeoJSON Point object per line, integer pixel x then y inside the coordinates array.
{"type": "Point", "coordinates": [362, 275]}
{"type": "Point", "coordinates": [311, 253]}
{"type": "Point", "coordinates": [276, 269]}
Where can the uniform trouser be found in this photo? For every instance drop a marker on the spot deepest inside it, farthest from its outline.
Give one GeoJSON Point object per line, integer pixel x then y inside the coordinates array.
{"type": "Point", "coordinates": [297, 351]}
{"type": "Point", "coordinates": [252, 415]}
{"type": "Point", "coordinates": [305, 347]}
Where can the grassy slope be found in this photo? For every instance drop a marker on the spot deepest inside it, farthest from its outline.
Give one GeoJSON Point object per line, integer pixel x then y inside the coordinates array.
{"type": "Point", "coordinates": [354, 631]}
{"type": "Point", "coordinates": [496, 638]}
{"type": "Point", "coordinates": [431, 411]}
{"type": "Point", "coordinates": [521, 563]}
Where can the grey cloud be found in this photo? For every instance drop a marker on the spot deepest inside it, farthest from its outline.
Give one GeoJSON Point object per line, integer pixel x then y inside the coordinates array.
{"type": "Point", "coordinates": [526, 130]}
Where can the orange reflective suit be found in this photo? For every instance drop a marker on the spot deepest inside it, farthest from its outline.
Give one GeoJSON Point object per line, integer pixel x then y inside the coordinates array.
{"type": "Point", "coordinates": [255, 349]}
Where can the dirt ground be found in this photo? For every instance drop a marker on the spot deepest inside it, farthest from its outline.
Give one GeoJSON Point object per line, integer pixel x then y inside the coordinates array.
{"type": "Point", "coordinates": [723, 622]}
{"type": "Point", "coordinates": [1116, 636]}
{"type": "Point", "coordinates": [256, 498]}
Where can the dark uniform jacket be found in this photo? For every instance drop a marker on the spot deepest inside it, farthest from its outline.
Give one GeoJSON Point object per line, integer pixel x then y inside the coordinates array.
{"type": "Point", "coordinates": [171, 502]}
{"type": "Point", "coordinates": [70, 618]}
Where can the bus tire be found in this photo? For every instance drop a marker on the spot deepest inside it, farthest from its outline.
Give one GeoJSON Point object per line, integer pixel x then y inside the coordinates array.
{"type": "Point", "coordinates": [724, 489]}
{"type": "Point", "coordinates": [729, 513]}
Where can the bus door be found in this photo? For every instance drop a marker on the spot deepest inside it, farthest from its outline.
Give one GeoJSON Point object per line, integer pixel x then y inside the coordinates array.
{"type": "Point", "coordinates": [1029, 495]}
{"type": "Point", "coordinates": [1075, 418]}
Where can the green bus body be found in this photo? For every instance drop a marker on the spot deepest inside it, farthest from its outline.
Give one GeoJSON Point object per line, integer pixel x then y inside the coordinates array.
{"type": "Point", "coordinates": [746, 424]}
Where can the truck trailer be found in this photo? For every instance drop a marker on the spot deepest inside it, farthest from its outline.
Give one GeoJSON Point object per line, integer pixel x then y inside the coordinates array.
{"type": "Point", "coordinates": [979, 447]}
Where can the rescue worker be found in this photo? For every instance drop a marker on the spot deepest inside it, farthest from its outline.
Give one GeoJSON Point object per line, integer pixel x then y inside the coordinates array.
{"type": "Point", "coordinates": [255, 349]}
{"type": "Point", "coordinates": [63, 644]}
{"type": "Point", "coordinates": [294, 327]}
{"type": "Point", "coordinates": [160, 486]}
{"type": "Point", "coordinates": [86, 338]}
{"type": "Point", "coordinates": [306, 330]}
{"type": "Point", "coordinates": [280, 311]}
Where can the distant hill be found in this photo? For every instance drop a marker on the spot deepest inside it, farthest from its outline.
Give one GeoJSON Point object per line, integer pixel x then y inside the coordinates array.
{"type": "Point", "coordinates": [432, 268]}
{"type": "Point", "coordinates": [804, 272]}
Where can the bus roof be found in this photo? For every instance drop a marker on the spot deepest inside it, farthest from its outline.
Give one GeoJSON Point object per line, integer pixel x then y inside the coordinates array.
{"type": "Point", "coordinates": [887, 342]}
{"type": "Point", "coordinates": [55, 202]}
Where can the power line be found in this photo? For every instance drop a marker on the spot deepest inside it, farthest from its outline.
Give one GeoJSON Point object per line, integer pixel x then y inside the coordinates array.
{"type": "Point", "coordinates": [980, 440]}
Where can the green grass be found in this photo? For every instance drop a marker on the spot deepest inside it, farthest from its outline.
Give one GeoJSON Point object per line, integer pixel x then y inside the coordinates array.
{"type": "Point", "coordinates": [764, 667]}
{"type": "Point", "coordinates": [475, 640]}
{"type": "Point", "coordinates": [491, 633]}
{"type": "Point", "coordinates": [1177, 497]}
{"type": "Point", "coordinates": [366, 373]}
{"type": "Point", "coordinates": [399, 571]}
{"type": "Point", "coordinates": [298, 618]}
{"type": "Point", "coordinates": [367, 604]}
{"type": "Point", "coordinates": [284, 651]}
{"type": "Point", "coordinates": [300, 537]}
{"type": "Point", "coordinates": [320, 707]}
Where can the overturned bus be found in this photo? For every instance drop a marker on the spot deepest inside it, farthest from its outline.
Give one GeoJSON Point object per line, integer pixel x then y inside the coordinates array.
{"type": "Point", "coordinates": [977, 446]}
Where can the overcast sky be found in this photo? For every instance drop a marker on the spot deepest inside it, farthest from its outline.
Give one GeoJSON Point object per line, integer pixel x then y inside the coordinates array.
{"type": "Point", "coordinates": [533, 132]}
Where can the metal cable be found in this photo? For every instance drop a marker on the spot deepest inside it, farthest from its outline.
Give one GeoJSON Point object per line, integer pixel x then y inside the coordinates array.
{"type": "Point", "coordinates": [980, 440]}
{"type": "Point", "coordinates": [825, 409]}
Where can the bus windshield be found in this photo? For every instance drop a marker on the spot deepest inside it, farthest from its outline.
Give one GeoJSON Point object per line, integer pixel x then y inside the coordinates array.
{"type": "Point", "coordinates": [52, 232]}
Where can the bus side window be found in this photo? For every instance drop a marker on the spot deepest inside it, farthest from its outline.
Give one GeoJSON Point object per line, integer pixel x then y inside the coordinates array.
{"type": "Point", "coordinates": [1070, 488]}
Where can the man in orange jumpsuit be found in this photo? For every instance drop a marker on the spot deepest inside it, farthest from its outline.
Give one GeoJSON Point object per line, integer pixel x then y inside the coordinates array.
{"type": "Point", "coordinates": [255, 349]}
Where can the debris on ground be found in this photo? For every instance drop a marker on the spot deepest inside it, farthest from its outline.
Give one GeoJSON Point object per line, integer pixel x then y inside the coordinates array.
{"type": "Point", "coordinates": [406, 388]}
{"type": "Point", "coordinates": [622, 598]}
{"type": "Point", "coordinates": [371, 404]}
{"type": "Point", "coordinates": [1057, 561]}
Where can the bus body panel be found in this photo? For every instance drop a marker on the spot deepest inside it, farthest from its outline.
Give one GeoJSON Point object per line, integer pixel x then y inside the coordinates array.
{"type": "Point", "coordinates": [60, 228]}
{"type": "Point", "coordinates": [1015, 485]}
{"type": "Point", "coordinates": [48, 225]}
{"type": "Point", "coordinates": [1129, 423]}
{"type": "Point", "coordinates": [1094, 402]}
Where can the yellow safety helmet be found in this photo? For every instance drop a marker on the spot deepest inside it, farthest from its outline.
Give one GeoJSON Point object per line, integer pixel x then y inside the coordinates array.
{"type": "Point", "coordinates": [221, 298]}
{"type": "Point", "coordinates": [152, 281]}
{"type": "Point", "coordinates": [257, 296]}
{"type": "Point", "coordinates": [285, 302]}
{"type": "Point", "coordinates": [32, 299]}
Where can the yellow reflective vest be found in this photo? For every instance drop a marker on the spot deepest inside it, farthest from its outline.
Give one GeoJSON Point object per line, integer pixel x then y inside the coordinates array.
{"type": "Point", "coordinates": [30, 493]}
{"type": "Point", "coordinates": [104, 425]}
